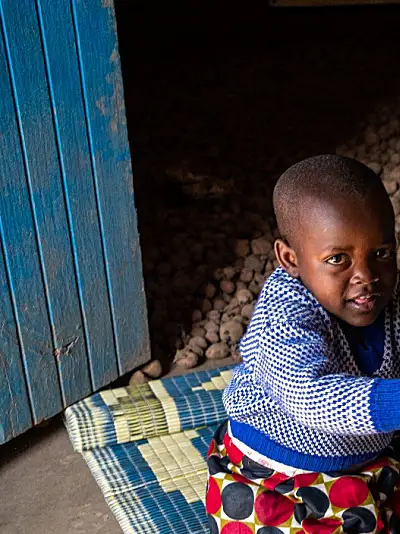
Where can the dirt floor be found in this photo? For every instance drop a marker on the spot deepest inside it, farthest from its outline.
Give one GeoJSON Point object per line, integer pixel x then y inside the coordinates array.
{"type": "Point", "coordinates": [46, 488]}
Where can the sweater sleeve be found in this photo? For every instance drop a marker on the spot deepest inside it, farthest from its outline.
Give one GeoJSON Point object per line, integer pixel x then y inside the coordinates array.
{"type": "Point", "coordinates": [294, 369]}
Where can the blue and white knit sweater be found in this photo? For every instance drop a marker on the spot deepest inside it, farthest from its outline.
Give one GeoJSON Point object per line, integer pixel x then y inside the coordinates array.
{"type": "Point", "coordinates": [298, 397]}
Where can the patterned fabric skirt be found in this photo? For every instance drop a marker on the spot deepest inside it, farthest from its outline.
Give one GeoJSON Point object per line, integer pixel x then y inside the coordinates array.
{"type": "Point", "coordinates": [244, 497]}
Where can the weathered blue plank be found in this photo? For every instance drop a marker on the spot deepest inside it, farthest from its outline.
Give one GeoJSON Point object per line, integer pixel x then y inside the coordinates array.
{"type": "Point", "coordinates": [83, 219]}
{"type": "Point", "coordinates": [14, 402]}
{"type": "Point", "coordinates": [21, 245]}
{"type": "Point", "coordinates": [42, 162]}
{"type": "Point", "coordinates": [103, 89]}
{"type": "Point", "coordinates": [72, 304]}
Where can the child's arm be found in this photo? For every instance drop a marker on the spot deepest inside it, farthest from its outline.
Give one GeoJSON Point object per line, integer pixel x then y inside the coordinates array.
{"type": "Point", "coordinates": [290, 363]}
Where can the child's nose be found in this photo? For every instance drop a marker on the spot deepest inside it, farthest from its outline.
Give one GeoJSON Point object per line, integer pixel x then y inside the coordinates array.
{"type": "Point", "coordinates": [363, 273]}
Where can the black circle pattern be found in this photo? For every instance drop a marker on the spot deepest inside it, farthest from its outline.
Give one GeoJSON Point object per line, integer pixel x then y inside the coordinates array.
{"type": "Point", "coordinates": [269, 530]}
{"type": "Point", "coordinates": [237, 500]}
{"type": "Point", "coordinates": [316, 501]}
{"type": "Point", "coordinates": [387, 481]}
{"type": "Point", "coordinates": [300, 512]}
{"type": "Point", "coordinates": [212, 525]}
{"type": "Point", "coordinates": [285, 487]}
{"type": "Point", "coordinates": [218, 465]}
{"type": "Point", "coordinates": [394, 525]}
{"type": "Point", "coordinates": [220, 433]}
{"type": "Point", "coordinates": [253, 470]}
{"type": "Point", "coordinates": [358, 520]}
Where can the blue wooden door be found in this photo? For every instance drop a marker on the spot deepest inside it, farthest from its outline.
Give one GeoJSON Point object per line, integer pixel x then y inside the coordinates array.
{"type": "Point", "coordinates": [72, 304]}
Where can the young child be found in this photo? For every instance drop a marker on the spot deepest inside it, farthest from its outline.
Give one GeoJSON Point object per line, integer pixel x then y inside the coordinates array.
{"type": "Point", "coordinates": [309, 444]}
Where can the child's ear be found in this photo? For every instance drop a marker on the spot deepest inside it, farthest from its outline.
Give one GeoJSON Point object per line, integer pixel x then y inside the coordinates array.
{"type": "Point", "coordinates": [286, 257]}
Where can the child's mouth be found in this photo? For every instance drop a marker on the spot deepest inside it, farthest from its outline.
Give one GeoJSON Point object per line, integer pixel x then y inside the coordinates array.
{"type": "Point", "coordinates": [364, 303]}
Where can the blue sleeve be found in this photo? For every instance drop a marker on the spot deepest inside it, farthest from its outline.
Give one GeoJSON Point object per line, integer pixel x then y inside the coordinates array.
{"type": "Point", "coordinates": [385, 404]}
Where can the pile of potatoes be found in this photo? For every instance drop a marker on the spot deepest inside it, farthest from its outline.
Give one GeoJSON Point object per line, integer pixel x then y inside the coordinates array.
{"type": "Point", "coordinates": [218, 301]}
{"type": "Point", "coordinates": [228, 303]}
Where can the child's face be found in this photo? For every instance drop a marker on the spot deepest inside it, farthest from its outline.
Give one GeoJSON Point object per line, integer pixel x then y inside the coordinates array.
{"type": "Point", "coordinates": [346, 257]}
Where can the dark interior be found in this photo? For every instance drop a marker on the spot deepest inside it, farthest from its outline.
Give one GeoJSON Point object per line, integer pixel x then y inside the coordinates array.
{"type": "Point", "coordinates": [237, 94]}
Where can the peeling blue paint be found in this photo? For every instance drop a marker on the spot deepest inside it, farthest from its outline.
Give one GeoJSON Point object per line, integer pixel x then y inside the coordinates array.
{"type": "Point", "coordinates": [73, 319]}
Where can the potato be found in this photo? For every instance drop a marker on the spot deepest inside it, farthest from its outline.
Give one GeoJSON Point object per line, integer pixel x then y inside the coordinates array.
{"type": "Point", "coordinates": [206, 306]}
{"type": "Point", "coordinates": [196, 349]}
{"type": "Point", "coordinates": [198, 332]}
{"type": "Point", "coordinates": [138, 378]}
{"type": "Point", "coordinates": [229, 273]}
{"type": "Point", "coordinates": [197, 316]}
{"type": "Point", "coordinates": [247, 311]}
{"type": "Point", "coordinates": [234, 303]}
{"type": "Point", "coordinates": [246, 275]}
{"type": "Point", "coordinates": [240, 285]}
{"type": "Point", "coordinates": [213, 315]}
{"type": "Point", "coordinates": [244, 296]}
{"type": "Point", "coordinates": [394, 176]}
{"type": "Point", "coordinates": [186, 358]}
{"type": "Point", "coordinates": [376, 167]}
{"type": "Point", "coordinates": [231, 332]}
{"type": "Point", "coordinates": [217, 351]}
{"type": "Point", "coordinates": [218, 274]}
{"type": "Point", "coordinates": [199, 341]}
{"type": "Point", "coordinates": [254, 263]}
{"type": "Point", "coordinates": [242, 248]}
{"type": "Point", "coordinates": [153, 369]}
{"type": "Point", "coordinates": [212, 337]}
{"type": "Point", "coordinates": [238, 264]}
{"type": "Point", "coordinates": [219, 304]}
{"type": "Point", "coordinates": [211, 326]}
{"type": "Point", "coordinates": [210, 291]}
{"type": "Point", "coordinates": [261, 246]}
{"type": "Point", "coordinates": [227, 286]}
{"type": "Point", "coordinates": [228, 316]}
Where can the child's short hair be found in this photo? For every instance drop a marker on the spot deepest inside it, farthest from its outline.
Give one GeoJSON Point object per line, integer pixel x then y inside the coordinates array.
{"type": "Point", "coordinates": [324, 177]}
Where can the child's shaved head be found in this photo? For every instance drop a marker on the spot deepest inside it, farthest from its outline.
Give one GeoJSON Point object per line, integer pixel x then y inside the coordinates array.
{"type": "Point", "coordinates": [338, 235]}
{"type": "Point", "coordinates": [320, 177]}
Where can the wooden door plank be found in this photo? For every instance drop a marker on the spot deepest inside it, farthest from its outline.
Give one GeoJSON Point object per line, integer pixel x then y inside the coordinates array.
{"type": "Point", "coordinates": [96, 32]}
{"type": "Point", "coordinates": [21, 250]}
{"type": "Point", "coordinates": [76, 165]}
{"type": "Point", "coordinates": [14, 402]}
{"type": "Point", "coordinates": [32, 96]}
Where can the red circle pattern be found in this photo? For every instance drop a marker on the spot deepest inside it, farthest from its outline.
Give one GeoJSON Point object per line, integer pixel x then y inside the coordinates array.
{"type": "Point", "coordinates": [321, 526]}
{"type": "Point", "coordinates": [213, 497]}
{"type": "Point", "coordinates": [211, 447]}
{"type": "Point", "coordinates": [347, 492]}
{"type": "Point", "coordinates": [301, 481]}
{"type": "Point", "coordinates": [235, 455]}
{"type": "Point", "coordinates": [273, 509]}
{"type": "Point", "coordinates": [236, 528]}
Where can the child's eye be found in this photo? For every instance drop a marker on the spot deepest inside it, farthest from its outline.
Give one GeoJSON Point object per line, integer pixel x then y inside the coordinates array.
{"type": "Point", "coordinates": [337, 259]}
{"type": "Point", "coordinates": [384, 253]}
